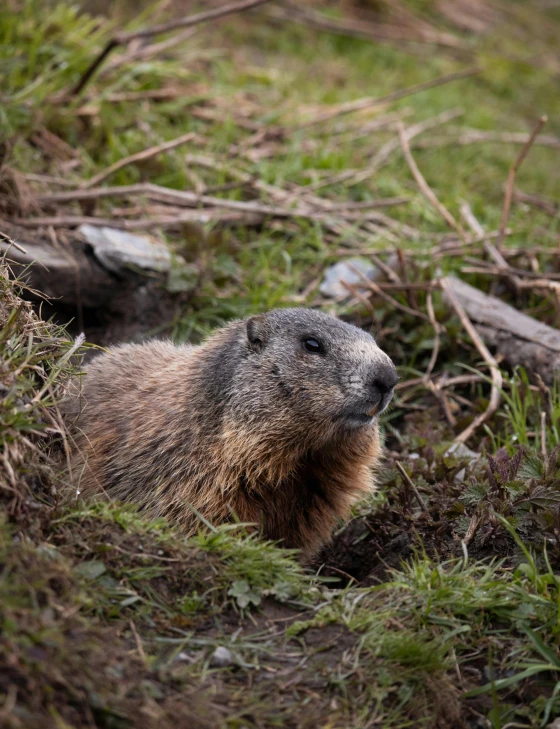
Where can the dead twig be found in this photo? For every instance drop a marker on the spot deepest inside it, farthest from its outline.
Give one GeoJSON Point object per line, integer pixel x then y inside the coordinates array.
{"type": "Point", "coordinates": [143, 54]}
{"type": "Point", "coordinates": [489, 247]}
{"type": "Point", "coordinates": [413, 488]}
{"type": "Point", "coordinates": [138, 641]}
{"type": "Point", "coordinates": [444, 402]}
{"type": "Point", "coordinates": [353, 177]}
{"type": "Point", "coordinates": [543, 433]}
{"type": "Point", "coordinates": [435, 350]}
{"type": "Point", "coordinates": [182, 198]}
{"type": "Point", "coordinates": [377, 290]}
{"type": "Point", "coordinates": [370, 102]}
{"type": "Point", "coordinates": [187, 22]}
{"type": "Point", "coordinates": [471, 530]}
{"type": "Point", "coordinates": [550, 207]}
{"type": "Point", "coordinates": [488, 358]}
{"type": "Point", "coordinates": [11, 242]}
{"type": "Point", "coordinates": [423, 185]}
{"type": "Point", "coordinates": [476, 136]}
{"type": "Point", "coordinates": [511, 177]}
{"type": "Point", "coordinates": [411, 132]}
{"type": "Point", "coordinates": [207, 215]}
{"type": "Point", "coordinates": [139, 157]}
{"type": "Point", "coordinates": [369, 31]}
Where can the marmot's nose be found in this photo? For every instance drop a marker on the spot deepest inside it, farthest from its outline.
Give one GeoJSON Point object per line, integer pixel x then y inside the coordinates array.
{"type": "Point", "coordinates": [384, 377]}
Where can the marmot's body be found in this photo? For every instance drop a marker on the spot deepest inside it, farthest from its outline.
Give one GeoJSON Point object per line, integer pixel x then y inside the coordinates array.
{"type": "Point", "coordinates": [272, 420]}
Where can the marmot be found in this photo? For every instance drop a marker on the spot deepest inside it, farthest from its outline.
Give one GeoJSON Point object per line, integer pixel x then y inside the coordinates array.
{"type": "Point", "coordinates": [272, 420]}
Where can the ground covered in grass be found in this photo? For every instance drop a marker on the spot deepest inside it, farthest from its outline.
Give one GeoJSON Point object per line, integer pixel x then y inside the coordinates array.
{"type": "Point", "coordinates": [438, 605]}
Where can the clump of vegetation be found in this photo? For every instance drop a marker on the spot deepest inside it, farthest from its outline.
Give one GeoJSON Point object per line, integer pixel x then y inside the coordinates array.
{"type": "Point", "coordinates": [35, 365]}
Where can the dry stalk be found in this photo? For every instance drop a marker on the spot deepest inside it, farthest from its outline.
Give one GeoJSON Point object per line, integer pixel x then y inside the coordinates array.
{"type": "Point", "coordinates": [183, 198]}
{"type": "Point", "coordinates": [488, 358]}
{"type": "Point", "coordinates": [187, 22]}
{"type": "Point", "coordinates": [10, 242]}
{"type": "Point", "coordinates": [413, 488]}
{"type": "Point", "coordinates": [549, 207]}
{"type": "Point", "coordinates": [444, 402]}
{"type": "Point", "coordinates": [476, 136]}
{"type": "Point", "coordinates": [146, 52]}
{"type": "Point", "coordinates": [400, 32]}
{"type": "Point", "coordinates": [412, 132]}
{"type": "Point", "coordinates": [426, 190]}
{"type": "Point", "coordinates": [489, 247]}
{"type": "Point", "coordinates": [229, 217]}
{"type": "Point", "coordinates": [353, 177]}
{"type": "Point", "coordinates": [372, 286]}
{"type": "Point", "coordinates": [371, 102]}
{"type": "Point", "coordinates": [138, 157]}
{"type": "Point", "coordinates": [435, 350]}
{"type": "Point", "coordinates": [511, 177]}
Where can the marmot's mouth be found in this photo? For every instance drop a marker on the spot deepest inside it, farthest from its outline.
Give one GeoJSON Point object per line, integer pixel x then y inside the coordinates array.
{"type": "Point", "coordinates": [371, 413]}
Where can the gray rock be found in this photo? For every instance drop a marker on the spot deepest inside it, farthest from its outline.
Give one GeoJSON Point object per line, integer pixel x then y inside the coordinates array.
{"type": "Point", "coordinates": [118, 251]}
{"type": "Point", "coordinates": [333, 286]}
{"type": "Point", "coordinates": [184, 657]}
{"type": "Point", "coordinates": [221, 657]}
{"type": "Point", "coordinates": [460, 450]}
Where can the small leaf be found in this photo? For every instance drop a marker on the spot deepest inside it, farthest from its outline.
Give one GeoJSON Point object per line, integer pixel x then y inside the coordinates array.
{"type": "Point", "coordinates": [547, 653]}
{"type": "Point", "coordinates": [505, 682]}
{"type": "Point", "coordinates": [243, 594]}
{"type": "Point", "coordinates": [91, 570]}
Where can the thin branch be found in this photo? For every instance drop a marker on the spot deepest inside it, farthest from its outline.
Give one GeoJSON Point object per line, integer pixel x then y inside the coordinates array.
{"type": "Point", "coordinates": [351, 177]}
{"type": "Point", "coordinates": [139, 157]}
{"type": "Point", "coordinates": [367, 31]}
{"type": "Point", "coordinates": [185, 198]}
{"type": "Point", "coordinates": [377, 290]}
{"type": "Point", "coordinates": [426, 190]}
{"type": "Point", "coordinates": [11, 242]}
{"type": "Point", "coordinates": [435, 350]}
{"type": "Point", "coordinates": [511, 177]}
{"type": "Point", "coordinates": [187, 22]}
{"type": "Point", "coordinates": [550, 207]}
{"type": "Point", "coordinates": [154, 49]}
{"type": "Point", "coordinates": [476, 136]}
{"type": "Point", "coordinates": [413, 488]}
{"type": "Point", "coordinates": [370, 102]}
{"type": "Point", "coordinates": [207, 215]}
{"type": "Point", "coordinates": [495, 373]}
{"type": "Point", "coordinates": [489, 247]}
{"type": "Point", "coordinates": [444, 402]}
{"type": "Point", "coordinates": [411, 132]}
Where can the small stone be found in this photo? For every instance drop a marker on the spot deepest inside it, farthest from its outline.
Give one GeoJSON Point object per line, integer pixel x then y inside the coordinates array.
{"type": "Point", "coordinates": [221, 657]}
{"type": "Point", "coordinates": [119, 251]}
{"type": "Point", "coordinates": [460, 450]}
{"type": "Point", "coordinates": [335, 277]}
{"type": "Point", "coordinates": [184, 657]}
{"type": "Point", "coordinates": [460, 475]}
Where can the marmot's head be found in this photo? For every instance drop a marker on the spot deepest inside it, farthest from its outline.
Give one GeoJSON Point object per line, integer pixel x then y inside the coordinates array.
{"type": "Point", "coordinates": [305, 369]}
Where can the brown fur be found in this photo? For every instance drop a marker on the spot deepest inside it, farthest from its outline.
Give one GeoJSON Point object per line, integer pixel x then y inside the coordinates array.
{"type": "Point", "coordinates": [232, 427]}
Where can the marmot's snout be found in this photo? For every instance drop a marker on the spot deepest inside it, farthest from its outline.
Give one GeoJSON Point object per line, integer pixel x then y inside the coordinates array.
{"type": "Point", "coordinates": [382, 384]}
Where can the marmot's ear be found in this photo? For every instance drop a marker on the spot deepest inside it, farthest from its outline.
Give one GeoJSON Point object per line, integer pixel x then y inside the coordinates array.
{"type": "Point", "coordinates": [256, 332]}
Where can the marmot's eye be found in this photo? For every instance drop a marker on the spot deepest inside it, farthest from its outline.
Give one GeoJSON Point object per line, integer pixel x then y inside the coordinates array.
{"type": "Point", "coordinates": [313, 345]}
